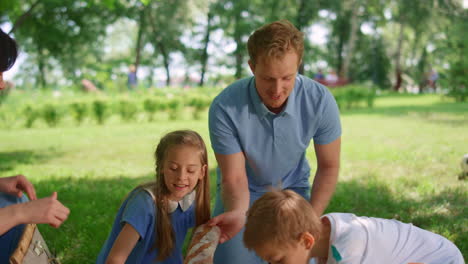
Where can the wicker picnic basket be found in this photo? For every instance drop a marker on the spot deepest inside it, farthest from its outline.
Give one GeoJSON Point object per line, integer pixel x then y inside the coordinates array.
{"type": "Point", "coordinates": [32, 249]}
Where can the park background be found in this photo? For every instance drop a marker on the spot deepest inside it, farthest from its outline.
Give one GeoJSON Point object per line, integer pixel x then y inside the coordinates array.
{"type": "Point", "coordinates": [404, 135]}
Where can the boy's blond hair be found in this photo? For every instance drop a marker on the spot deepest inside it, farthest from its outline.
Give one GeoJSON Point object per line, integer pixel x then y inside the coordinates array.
{"type": "Point", "coordinates": [274, 40]}
{"type": "Point", "coordinates": [279, 218]}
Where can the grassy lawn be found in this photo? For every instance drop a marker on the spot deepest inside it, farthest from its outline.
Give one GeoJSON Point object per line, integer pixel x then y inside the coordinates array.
{"type": "Point", "coordinates": [400, 160]}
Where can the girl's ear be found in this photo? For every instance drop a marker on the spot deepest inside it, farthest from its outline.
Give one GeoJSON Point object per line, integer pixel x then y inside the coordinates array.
{"type": "Point", "coordinates": [203, 172]}
{"type": "Point", "coordinates": [307, 240]}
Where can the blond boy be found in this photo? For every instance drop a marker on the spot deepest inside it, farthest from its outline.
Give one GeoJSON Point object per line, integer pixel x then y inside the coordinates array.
{"type": "Point", "coordinates": [294, 234]}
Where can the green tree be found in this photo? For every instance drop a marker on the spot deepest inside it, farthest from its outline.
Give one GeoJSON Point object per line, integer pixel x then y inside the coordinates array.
{"type": "Point", "coordinates": [238, 19]}
{"type": "Point", "coordinates": [60, 31]}
{"type": "Point", "coordinates": [453, 46]}
{"type": "Point", "coordinates": [163, 32]}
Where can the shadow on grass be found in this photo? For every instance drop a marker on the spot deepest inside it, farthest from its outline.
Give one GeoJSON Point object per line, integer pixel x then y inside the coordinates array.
{"type": "Point", "coordinates": [9, 160]}
{"type": "Point", "coordinates": [94, 204]}
{"type": "Point", "coordinates": [444, 213]}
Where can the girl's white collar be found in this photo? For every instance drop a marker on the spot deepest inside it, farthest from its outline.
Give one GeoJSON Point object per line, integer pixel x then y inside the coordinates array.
{"type": "Point", "coordinates": [185, 203]}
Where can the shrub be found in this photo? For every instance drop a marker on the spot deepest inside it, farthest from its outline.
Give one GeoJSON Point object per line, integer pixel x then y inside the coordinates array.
{"type": "Point", "coordinates": [51, 114]}
{"type": "Point", "coordinates": [199, 105]}
{"type": "Point", "coordinates": [350, 96]}
{"type": "Point", "coordinates": [31, 115]}
{"type": "Point", "coordinates": [79, 110]}
{"type": "Point", "coordinates": [8, 117]}
{"type": "Point", "coordinates": [162, 105]}
{"type": "Point", "coordinates": [4, 94]}
{"type": "Point", "coordinates": [101, 111]}
{"type": "Point", "coordinates": [460, 94]}
{"type": "Point", "coordinates": [150, 106]}
{"type": "Point", "coordinates": [175, 108]}
{"type": "Point", "coordinates": [371, 94]}
{"type": "Point", "coordinates": [127, 110]}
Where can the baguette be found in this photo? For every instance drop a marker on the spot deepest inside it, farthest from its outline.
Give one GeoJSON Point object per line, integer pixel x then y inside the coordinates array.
{"type": "Point", "coordinates": [203, 245]}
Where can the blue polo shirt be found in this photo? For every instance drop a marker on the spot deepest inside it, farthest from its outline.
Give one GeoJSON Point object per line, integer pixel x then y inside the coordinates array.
{"type": "Point", "coordinates": [274, 145]}
{"type": "Point", "coordinates": [139, 210]}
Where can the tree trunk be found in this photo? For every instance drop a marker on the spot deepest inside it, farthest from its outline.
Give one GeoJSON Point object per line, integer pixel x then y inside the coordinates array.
{"type": "Point", "coordinates": [238, 53]}
{"type": "Point", "coordinates": [165, 55]}
{"type": "Point", "coordinates": [349, 49]}
{"type": "Point", "coordinates": [204, 56]}
{"type": "Point", "coordinates": [41, 65]}
{"type": "Point", "coordinates": [158, 43]}
{"type": "Point", "coordinates": [398, 78]}
{"type": "Point", "coordinates": [141, 26]}
{"type": "Point", "coordinates": [301, 21]}
{"type": "Point", "coordinates": [339, 53]}
{"type": "Point", "coordinates": [421, 71]}
{"type": "Point", "coordinates": [23, 17]}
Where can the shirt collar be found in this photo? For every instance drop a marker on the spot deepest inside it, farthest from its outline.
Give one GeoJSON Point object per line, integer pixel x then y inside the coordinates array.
{"type": "Point", "coordinates": [257, 103]}
{"type": "Point", "coordinates": [184, 204]}
{"type": "Point", "coordinates": [290, 104]}
{"type": "Point", "coordinates": [260, 107]}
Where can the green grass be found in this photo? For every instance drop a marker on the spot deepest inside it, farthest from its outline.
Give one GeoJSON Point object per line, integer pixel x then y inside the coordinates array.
{"type": "Point", "coordinates": [399, 160]}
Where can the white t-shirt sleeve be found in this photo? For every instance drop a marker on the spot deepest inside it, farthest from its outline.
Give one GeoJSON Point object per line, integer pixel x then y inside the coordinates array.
{"type": "Point", "coordinates": [348, 244]}
{"type": "Point", "coordinates": [366, 240]}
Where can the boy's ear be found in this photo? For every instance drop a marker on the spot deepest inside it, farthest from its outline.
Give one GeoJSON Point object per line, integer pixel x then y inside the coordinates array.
{"type": "Point", "coordinates": [252, 66]}
{"type": "Point", "coordinates": [307, 240]}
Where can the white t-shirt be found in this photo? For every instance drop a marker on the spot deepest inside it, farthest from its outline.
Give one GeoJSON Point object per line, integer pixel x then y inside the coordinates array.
{"type": "Point", "coordinates": [361, 240]}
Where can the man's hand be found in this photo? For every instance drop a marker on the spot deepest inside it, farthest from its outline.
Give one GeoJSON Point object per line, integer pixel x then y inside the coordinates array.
{"type": "Point", "coordinates": [230, 224]}
{"type": "Point", "coordinates": [16, 185]}
{"type": "Point", "coordinates": [47, 210]}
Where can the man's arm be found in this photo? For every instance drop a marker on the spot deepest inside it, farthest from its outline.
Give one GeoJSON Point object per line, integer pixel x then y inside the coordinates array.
{"type": "Point", "coordinates": [235, 192]}
{"type": "Point", "coordinates": [326, 176]}
{"type": "Point", "coordinates": [235, 195]}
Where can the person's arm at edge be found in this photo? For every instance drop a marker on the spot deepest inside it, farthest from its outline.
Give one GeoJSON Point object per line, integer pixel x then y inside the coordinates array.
{"type": "Point", "coordinates": [234, 191]}
{"type": "Point", "coordinates": [47, 210]}
{"type": "Point", "coordinates": [326, 176]}
{"type": "Point", "coordinates": [123, 245]}
{"type": "Point", "coordinates": [14, 213]}
{"type": "Point", "coordinates": [14, 216]}
{"type": "Point", "coordinates": [15, 185]}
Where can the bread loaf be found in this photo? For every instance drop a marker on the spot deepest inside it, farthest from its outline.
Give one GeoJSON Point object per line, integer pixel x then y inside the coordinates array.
{"type": "Point", "coordinates": [203, 245]}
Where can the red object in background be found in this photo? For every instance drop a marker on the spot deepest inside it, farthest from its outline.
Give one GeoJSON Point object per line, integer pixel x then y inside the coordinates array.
{"type": "Point", "coordinates": [339, 82]}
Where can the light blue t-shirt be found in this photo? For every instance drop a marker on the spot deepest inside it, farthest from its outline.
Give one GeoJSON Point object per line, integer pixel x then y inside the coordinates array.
{"type": "Point", "coordinates": [274, 144]}
{"type": "Point", "coordinates": [139, 210]}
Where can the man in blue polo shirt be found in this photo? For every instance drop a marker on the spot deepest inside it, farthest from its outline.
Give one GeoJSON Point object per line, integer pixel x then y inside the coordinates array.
{"type": "Point", "coordinates": [260, 128]}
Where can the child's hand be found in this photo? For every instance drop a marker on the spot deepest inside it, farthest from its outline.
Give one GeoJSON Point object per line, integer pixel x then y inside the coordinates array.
{"type": "Point", "coordinates": [47, 210]}
{"type": "Point", "coordinates": [15, 185]}
{"type": "Point", "coordinates": [230, 224]}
